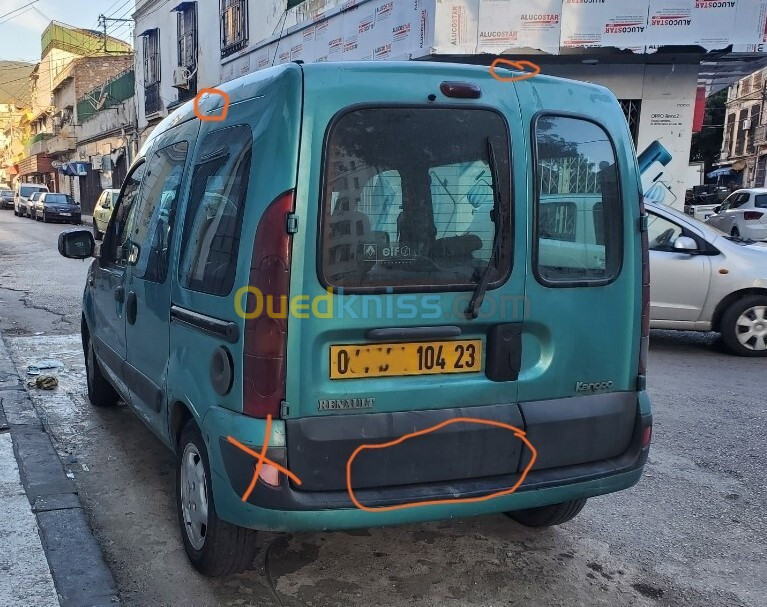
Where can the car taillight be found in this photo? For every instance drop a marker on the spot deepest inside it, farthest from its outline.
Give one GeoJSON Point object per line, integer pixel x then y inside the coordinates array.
{"type": "Point", "coordinates": [266, 335]}
{"type": "Point", "coordinates": [644, 343]}
{"type": "Point", "coordinates": [752, 215]}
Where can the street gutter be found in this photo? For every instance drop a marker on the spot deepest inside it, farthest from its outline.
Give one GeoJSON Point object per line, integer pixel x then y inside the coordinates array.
{"type": "Point", "coordinates": [80, 573]}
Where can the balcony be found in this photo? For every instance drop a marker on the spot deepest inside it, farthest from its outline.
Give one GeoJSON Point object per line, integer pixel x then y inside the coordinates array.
{"type": "Point", "coordinates": [37, 143]}
{"type": "Point", "coordinates": [48, 143]}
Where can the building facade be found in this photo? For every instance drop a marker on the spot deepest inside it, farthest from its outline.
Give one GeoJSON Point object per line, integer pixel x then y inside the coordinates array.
{"type": "Point", "coordinates": [655, 55]}
{"type": "Point", "coordinates": [82, 121]}
{"type": "Point", "coordinates": [744, 145]}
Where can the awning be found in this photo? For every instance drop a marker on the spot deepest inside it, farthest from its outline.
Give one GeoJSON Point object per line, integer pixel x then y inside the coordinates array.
{"type": "Point", "coordinates": [151, 30]}
{"type": "Point", "coordinates": [720, 173]}
{"type": "Point", "coordinates": [182, 7]}
{"type": "Point", "coordinates": [74, 169]}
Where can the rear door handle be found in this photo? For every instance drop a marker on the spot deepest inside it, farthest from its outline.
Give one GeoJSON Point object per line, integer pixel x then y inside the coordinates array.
{"type": "Point", "coordinates": [120, 295]}
{"type": "Point", "coordinates": [131, 307]}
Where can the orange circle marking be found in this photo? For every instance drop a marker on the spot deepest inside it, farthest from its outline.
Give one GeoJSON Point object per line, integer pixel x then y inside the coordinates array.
{"type": "Point", "coordinates": [215, 117]}
{"type": "Point", "coordinates": [522, 65]}
{"type": "Point", "coordinates": [466, 500]}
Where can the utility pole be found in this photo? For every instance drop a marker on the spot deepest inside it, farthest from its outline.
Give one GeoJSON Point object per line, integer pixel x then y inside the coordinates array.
{"type": "Point", "coordinates": [103, 23]}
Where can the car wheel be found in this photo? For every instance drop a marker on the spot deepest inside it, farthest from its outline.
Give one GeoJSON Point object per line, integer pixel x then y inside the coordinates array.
{"type": "Point", "coordinates": [744, 326]}
{"type": "Point", "coordinates": [15, 212]}
{"type": "Point", "coordinates": [100, 392]}
{"type": "Point", "coordinates": [735, 233]}
{"type": "Point", "coordinates": [45, 219]}
{"type": "Point", "coordinates": [548, 516]}
{"type": "Point", "coordinates": [96, 234]}
{"type": "Point", "coordinates": [215, 547]}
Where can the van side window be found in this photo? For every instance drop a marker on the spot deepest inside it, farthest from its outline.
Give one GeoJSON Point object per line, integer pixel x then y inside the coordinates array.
{"type": "Point", "coordinates": [579, 220]}
{"type": "Point", "coordinates": [214, 215]}
{"type": "Point", "coordinates": [118, 238]}
{"type": "Point", "coordinates": [157, 207]}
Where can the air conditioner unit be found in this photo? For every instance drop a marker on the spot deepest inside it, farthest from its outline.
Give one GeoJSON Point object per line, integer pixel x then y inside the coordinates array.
{"type": "Point", "coordinates": [746, 124]}
{"type": "Point", "coordinates": [181, 77]}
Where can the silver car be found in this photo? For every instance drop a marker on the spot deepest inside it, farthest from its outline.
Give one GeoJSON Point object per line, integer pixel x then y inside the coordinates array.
{"type": "Point", "coordinates": [702, 279]}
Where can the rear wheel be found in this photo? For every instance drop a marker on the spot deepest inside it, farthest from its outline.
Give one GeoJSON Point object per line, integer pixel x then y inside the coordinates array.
{"type": "Point", "coordinates": [735, 233]}
{"type": "Point", "coordinates": [548, 516]}
{"type": "Point", "coordinates": [744, 326]}
{"type": "Point", "coordinates": [215, 547]}
{"type": "Point", "coordinates": [100, 391]}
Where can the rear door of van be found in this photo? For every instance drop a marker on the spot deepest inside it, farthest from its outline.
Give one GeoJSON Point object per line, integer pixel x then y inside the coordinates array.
{"type": "Point", "coordinates": [402, 202]}
{"type": "Point", "coordinates": [578, 383]}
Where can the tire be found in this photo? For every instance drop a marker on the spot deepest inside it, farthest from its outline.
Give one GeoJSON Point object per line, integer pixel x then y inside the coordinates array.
{"type": "Point", "coordinates": [100, 392]}
{"type": "Point", "coordinates": [748, 314]}
{"type": "Point", "coordinates": [548, 516]}
{"type": "Point", "coordinates": [96, 234]}
{"type": "Point", "coordinates": [15, 212]}
{"type": "Point", "coordinates": [735, 233]}
{"type": "Point", "coordinates": [45, 219]}
{"type": "Point", "coordinates": [216, 548]}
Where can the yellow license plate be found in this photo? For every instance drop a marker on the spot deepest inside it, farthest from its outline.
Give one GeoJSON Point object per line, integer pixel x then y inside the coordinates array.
{"type": "Point", "coordinates": [392, 360]}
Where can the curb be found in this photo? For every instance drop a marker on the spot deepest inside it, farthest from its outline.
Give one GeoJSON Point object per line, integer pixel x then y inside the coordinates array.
{"type": "Point", "coordinates": [84, 581]}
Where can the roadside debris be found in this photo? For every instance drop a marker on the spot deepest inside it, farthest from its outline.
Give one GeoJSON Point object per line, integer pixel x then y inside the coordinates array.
{"type": "Point", "coordinates": [44, 382]}
{"type": "Point", "coordinates": [44, 365]}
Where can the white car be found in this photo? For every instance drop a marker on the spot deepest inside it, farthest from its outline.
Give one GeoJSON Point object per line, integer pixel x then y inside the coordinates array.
{"type": "Point", "coordinates": [702, 279]}
{"type": "Point", "coordinates": [743, 214]}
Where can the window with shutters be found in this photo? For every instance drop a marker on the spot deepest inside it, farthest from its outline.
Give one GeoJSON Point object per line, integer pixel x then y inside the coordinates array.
{"type": "Point", "coordinates": [234, 26]}
{"type": "Point", "coordinates": [187, 47]}
{"type": "Point", "coordinates": [151, 51]}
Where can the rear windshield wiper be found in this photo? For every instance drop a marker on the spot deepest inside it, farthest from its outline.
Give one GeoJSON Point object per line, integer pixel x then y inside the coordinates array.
{"type": "Point", "coordinates": [472, 310]}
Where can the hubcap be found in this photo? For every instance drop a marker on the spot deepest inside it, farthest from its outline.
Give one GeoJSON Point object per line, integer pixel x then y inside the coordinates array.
{"type": "Point", "coordinates": [751, 328]}
{"type": "Point", "coordinates": [194, 496]}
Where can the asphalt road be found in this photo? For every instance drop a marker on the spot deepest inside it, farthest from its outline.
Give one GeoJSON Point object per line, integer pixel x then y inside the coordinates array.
{"type": "Point", "coordinates": [692, 533]}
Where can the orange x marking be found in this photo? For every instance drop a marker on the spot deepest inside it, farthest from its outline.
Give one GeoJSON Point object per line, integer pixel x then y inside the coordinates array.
{"type": "Point", "coordinates": [262, 459]}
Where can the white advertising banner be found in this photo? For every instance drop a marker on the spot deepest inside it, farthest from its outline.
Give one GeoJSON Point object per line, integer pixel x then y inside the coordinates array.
{"type": "Point", "coordinates": [455, 27]}
{"type": "Point", "coordinates": [382, 29]}
{"type": "Point", "coordinates": [335, 30]}
{"type": "Point", "coordinates": [609, 23]}
{"type": "Point", "coordinates": [505, 24]}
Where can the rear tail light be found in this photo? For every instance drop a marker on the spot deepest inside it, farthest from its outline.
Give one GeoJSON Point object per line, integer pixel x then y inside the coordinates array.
{"type": "Point", "coordinates": [646, 437]}
{"type": "Point", "coordinates": [645, 334]}
{"type": "Point", "coordinates": [752, 215]}
{"type": "Point", "coordinates": [266, 335]}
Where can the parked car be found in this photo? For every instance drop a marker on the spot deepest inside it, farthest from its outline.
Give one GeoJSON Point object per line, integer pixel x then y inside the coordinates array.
{"type": "Point", "coordinates": [743, 214]}
{"type": "Point", "coordinates": [707, 280]}
{"type": "Point", "coordinates": [6, 199]}
{"type": "Point", "coordinates": [33, 199]}
{"type": "Point", "coordinates": [397, 200]}
{"type": "Point", "coordinates": [53, 206]}
{"type": "Point", "coordinates": [103, 211]}
{"type": "Point", "coordinates": [21, 197]}
{"type": "Point", "coordinates": [703, 200]}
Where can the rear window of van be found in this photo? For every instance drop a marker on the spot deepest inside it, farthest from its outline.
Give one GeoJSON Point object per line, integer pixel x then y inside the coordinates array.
{"type": "Point", "coordinates": [408, 198]}
{"type": "Point", "coordinates": [28, 190]}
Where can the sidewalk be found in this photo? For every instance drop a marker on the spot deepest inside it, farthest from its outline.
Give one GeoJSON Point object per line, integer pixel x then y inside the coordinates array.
{"type": "Point", "coordinates": [49, 555]}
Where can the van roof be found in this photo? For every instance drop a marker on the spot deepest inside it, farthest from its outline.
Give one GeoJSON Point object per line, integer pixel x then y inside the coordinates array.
{"type": "Point", "coordinates": [252, 84]}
